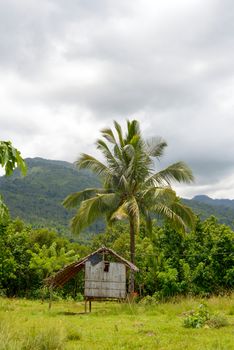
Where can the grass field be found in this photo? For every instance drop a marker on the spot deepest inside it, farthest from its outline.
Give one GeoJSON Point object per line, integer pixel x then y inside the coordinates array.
{"type": "Point", "coordinates": [26, 324]}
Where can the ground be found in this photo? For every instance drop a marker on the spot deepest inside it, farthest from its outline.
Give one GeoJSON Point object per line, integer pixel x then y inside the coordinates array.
{"type": "Point", "coordinates": [26, 324]}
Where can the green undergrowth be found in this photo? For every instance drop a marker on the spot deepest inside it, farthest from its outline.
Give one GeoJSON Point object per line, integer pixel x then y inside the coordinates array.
{"type": "Point", "coordinates": [26, 325]}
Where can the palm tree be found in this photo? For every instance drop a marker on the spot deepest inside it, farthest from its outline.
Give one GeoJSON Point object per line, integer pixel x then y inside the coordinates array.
{"type": "Point", "coordinates": [131, 188]}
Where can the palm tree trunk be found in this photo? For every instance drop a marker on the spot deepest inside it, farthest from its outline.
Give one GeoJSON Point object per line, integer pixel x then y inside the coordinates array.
{"type": "Point", "coordinates": [132, 255]}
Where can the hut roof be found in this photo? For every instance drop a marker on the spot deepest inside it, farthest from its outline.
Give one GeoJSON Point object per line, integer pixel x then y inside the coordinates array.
{"type": "Point", "coordinates": [69, 271]}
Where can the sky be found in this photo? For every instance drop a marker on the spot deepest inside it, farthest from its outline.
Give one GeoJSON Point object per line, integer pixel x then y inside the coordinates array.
{"type": "Point", "coordinates": [69, 68]}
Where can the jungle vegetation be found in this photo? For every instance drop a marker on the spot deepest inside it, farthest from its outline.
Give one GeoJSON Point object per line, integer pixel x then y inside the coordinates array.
{"type": "Point", "coordinates": [170, 263]}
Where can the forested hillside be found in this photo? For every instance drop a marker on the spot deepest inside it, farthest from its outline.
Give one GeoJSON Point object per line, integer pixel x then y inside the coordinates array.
{"type": "Point", "coordinates": [204, 206]}
{"type": "Point", "coordinates": [37, 197]}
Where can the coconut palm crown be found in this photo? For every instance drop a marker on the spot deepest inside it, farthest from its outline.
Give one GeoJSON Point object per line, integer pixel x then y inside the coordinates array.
{"type": "Point", "coordinates": [131, 187]}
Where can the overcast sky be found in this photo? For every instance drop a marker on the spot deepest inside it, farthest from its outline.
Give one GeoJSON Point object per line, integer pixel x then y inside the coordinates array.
{"type": "Point", "coordinates": [70, 67]}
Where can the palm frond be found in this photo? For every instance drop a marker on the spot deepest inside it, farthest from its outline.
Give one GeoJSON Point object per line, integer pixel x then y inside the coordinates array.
{"type": "Point", "coordinates": [120, 213]}
{"type": "Point", "coordinates": [154, 195]}
{"type": "Point", "coordinates": [135, 141]}
{"type": "Point", "coordinates": [111, 160]}
{"type": "Point", "coordinates": [185, 213]}
{"type": "Point", "coordinates": [129, 151]}
{"type": "Point", "coordinates": [168, 214]}
{"type": "Point", "coordinates": [123, 183]}
{"type": "Point", "coordinates": [179, 172]}
{"type": "Point", "coordinates": [119, 132]}
{"type": "Point", "coordinates": [109, 135]}
{"type": "Point", "coordinates": [155, 147]}
{"type": "Point", "coordinates": [92, 209]}
{"type": "Point", "coordinates": [88, 162]}
{"type": "Point", "coordinates": [117, 152]}
{"type": "Point", "coordinates": [74, 199]}
{"type": "Point", "coordinates": [178, 214]}
{"type": "Point", "coordinates": [133, 130]}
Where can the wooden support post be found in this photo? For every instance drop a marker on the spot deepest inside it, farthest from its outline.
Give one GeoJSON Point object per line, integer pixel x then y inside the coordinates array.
{"type": "Point", "coordinates": [85, 305]}
{"type": "Point", "coordinates": [90, 306]}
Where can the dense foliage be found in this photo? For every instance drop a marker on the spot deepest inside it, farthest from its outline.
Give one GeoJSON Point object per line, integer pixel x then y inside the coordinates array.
{"type": "Point", "coordinates": [200, 262]}
{"type": "Point", "coordinates": [28, 256]}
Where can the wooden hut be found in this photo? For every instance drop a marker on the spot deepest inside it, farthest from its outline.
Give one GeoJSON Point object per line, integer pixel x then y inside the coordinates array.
{"type": "Point", "coordinates": [104, 278]}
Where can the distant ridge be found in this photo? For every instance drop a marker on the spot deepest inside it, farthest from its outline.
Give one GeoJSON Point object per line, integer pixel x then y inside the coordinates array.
{"type": "Point", "coordinates": [229, 203]}
{"type": "Point", "coordinates": [205, 206]}
{"type": "Point", "coordinates": [37, 197]}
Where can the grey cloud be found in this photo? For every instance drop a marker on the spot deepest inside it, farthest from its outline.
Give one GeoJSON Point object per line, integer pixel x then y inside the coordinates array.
{"type": "Point", "coordinates": [169, 63]}
{"type": "Point", "coordinates": [12, 125]}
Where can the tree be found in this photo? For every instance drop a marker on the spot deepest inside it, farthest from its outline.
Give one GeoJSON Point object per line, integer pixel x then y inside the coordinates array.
{"type": "Point", "coordinates": [131, 188]}
{"type": "Point", "coordinates": [10, 158]}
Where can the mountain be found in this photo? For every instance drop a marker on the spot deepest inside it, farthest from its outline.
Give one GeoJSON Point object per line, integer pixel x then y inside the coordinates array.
{"type": "Point", "coordinates": [37, 197]}
{"type": "Point", "coordinates": [205, 206]}
{"type": "Point", "coordinates": [228, 203]}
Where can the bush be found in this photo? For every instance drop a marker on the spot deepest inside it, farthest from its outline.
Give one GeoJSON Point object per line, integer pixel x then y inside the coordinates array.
{"type": "Point", "coordinates": [198, 318]}
{"type": "Point", "coordinates": [148, 300]}
{"type": "Point", "coordinates": [202, 317]}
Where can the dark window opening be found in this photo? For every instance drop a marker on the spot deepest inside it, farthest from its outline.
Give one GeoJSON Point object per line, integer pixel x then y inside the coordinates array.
{"type": "Point", "coordinates": [106, 266]}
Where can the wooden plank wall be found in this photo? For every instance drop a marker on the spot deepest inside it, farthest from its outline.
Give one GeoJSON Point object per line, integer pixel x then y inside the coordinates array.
{"type": "Point", "coordinates": [105, 284]}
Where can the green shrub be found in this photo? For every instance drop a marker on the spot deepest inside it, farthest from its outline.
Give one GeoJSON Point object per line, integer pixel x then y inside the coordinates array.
{"type": "Point", "coordinates": [202, 317]}
{"type": "Point", "coordinates": [79, 297]}
{"type": "Point", "coordinates": [148, 300]}
{"type": "Point", "coordinates": [198, 318]}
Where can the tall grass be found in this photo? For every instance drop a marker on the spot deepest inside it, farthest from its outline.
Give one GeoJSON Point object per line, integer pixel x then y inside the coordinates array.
{"type": "Point", "coordinates": [32, 338]}
{"type": "Point", "coordinates": [28, 325]}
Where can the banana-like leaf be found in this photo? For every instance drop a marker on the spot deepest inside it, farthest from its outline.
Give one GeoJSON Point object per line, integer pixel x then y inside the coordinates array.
{"type": "Point", "coordinates": [10, 158]}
